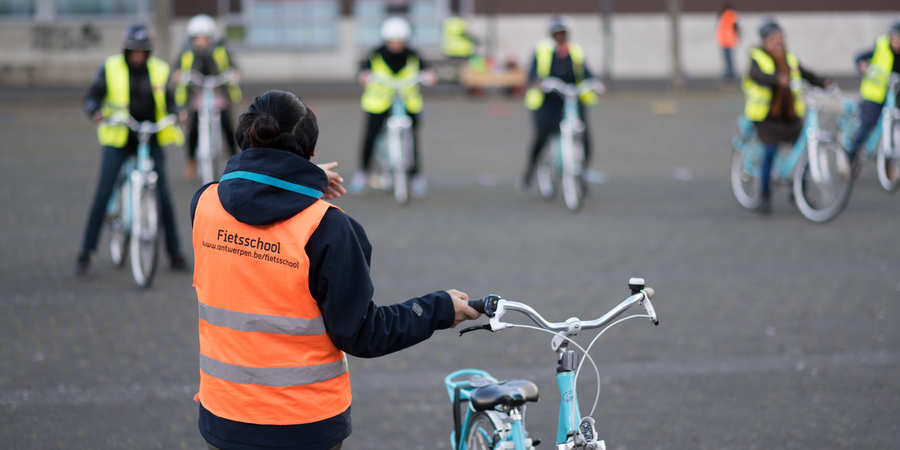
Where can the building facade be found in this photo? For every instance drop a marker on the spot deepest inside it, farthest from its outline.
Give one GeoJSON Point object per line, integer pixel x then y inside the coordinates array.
{"type": "Point", "coordinates": [62, 42]}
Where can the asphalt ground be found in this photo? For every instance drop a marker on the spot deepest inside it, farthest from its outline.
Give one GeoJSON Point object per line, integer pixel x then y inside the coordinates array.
{"type": "Point", "coordinates": [774, 332]}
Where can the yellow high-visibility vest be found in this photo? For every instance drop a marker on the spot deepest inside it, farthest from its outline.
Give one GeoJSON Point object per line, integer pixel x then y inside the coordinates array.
{"type": "Point", "coordinates": [875, 81]}
{"type": "Point", "coordinates": [377, 98]}
{"type": "Point", "coordinates": [117, 98]}
{"type": "Point", "coordinates": [759, 97]}
{"type": "Point", "coordinates": [543, 52]}
{"type": "Point", "coordinates": [455, 42]}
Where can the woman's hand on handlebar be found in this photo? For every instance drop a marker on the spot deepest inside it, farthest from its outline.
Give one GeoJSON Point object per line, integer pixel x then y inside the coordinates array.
{"type": "Point", "coordinates": [461, 308]}
{"type": "Point", "coordinates": [429, 78]}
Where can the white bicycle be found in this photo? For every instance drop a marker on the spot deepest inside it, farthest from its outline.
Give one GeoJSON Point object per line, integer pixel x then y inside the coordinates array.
{"type": "Point", "coordinates": [394, 144]}
{"type": "Point", "coordinates": [209, 104]}
{"type": "Point", "coordinates": [563, 165]}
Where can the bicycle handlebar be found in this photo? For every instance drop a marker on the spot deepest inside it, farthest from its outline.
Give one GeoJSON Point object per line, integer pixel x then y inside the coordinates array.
{"type": "Point", "coordinates": [122, 118]}
{"type": "Point", "coordinates": [550, 84]}
{"type": "Point", "coordinates": [196, 78]}
{"type": "Point", "coordinates": [495, 307]}
{"type": "Point", "coordinates": [396, 84]}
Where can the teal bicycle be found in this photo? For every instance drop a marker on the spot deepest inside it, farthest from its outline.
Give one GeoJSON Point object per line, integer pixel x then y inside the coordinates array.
{"type": "Point", "coordinates": [886, 132]}
{"type": "Point", "coordinates": [489, 414]}
{"type": "Point", "coordinates": [132, 211]}
{"type": "Point", "coordinates": [563, 165]}
{"type": "Point", "coordinates": [817, 167]}
{"type": "Point", "coordinates": [394, 144]}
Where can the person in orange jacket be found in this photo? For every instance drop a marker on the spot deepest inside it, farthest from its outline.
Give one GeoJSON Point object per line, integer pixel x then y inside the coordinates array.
{"type": "Point", "coordinates": [727, 35]}
{"type": "Point", "coordinates": [284, 292]}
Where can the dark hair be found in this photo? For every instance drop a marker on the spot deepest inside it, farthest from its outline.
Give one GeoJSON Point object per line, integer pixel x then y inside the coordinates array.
{"type": "Point", "coordinates": [280, 120]}
{"type": "Point", "coordinates": [768, 26]}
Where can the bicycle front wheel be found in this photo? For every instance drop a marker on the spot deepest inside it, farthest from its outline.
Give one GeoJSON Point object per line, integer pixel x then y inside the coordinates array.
{"type": "Point", "coordinates": [573, 176]}
{"type": "Point", "coordinates": [546, 173]}
{"type": "Point", "coordinates": [822, 183]}
{"type": "Point", "coordinates": [482, 434]}
{"type": "Point", "coordinates": [118, 228]}
{"type": "Point", "coordinates": [888, 160]}
{"type": "Point", "coordinates": [401, 147]}
{"type": "Point", "coordinates": [145, 237]}
{"type": "Point", "coordinates": [745, 175]}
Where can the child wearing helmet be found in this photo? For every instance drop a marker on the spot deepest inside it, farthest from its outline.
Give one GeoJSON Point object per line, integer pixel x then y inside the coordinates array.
{"type": "Point", "coordinates": [394, 59]}
{"type": "Point", "coordinates": [206, 54]}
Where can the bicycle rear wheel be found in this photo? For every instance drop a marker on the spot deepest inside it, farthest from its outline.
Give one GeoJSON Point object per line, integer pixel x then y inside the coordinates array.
{"type": "Point", "coordinates": [145, 236]}
{"type": "Point", "coordinates": [820, 200]}
{"type": "Point", "coordinates": [481, 434]}
{"type": "Point", "coordinates": [745, 174]}
{"type": "Point", "coordinates": [573, 176]}
{"type": "Point", "coordinates": [888, 162]}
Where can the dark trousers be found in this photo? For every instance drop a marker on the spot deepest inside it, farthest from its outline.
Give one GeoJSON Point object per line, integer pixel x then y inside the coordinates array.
{"type": "Point", "coordinates": [546, 123]}
{"type": "Point", "coordinates": [113, 159]}
{"type": "Point", "coordinates": [729, 65]}
{"type": "Point", "coordinates": [374, 124]}
{"type": "Point", "coordinates": [227, 133]}
{"type": "Point", "coordinates": [869, 113]}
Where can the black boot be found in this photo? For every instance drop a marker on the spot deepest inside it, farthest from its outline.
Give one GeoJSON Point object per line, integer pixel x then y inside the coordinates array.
{"type": "Point", "coordinates": [82, 264]}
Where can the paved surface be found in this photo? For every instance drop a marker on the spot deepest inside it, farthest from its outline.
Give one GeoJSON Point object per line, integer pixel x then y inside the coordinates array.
{"type": "Point", "coordinates": [775, 332]}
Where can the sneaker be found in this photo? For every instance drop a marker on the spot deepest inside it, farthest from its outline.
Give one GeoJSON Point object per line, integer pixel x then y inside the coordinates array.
{"type": "Point", "coordinates": [359, 182]}
{"type": "Point", "coordinates": [82, 264]}
{"type": "Point", "coordinates": [179, 264]}
{"type": "Point", "coordinates": [418, 186]}
{"type": "Point", "coordinates": [765, 206]}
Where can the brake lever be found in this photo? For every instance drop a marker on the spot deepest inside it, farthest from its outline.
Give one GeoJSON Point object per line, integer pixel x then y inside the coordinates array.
{"type": "Point", "coordinates": [486, 326]}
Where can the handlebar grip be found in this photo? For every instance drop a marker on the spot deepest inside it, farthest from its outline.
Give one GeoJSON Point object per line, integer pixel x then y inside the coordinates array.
{"type": "Point", "coordinates": [650, 292]}
{"type": "Point", "coordinates": [477, 305]}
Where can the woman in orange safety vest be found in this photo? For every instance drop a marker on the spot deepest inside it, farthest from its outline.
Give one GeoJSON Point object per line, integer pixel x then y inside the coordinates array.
{"type": "Point", "coordinates": [284, 291]}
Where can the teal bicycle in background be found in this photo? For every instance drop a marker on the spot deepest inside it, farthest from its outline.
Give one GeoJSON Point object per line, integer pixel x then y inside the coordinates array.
{"type": "Point", "coordinates": [132, 211]}
{"type": "Point", "coordinates": [817, 167]}
{"type": "Point", "coordinates": [489, 414]}
{"type": "Point", "coordinates": [886, 133]}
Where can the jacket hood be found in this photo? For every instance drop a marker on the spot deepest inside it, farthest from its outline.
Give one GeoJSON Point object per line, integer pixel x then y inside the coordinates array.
{"type": "Point", "coordinates": [256, 203]}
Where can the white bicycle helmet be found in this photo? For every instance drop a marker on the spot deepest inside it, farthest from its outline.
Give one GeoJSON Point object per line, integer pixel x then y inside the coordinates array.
{"type": "Point", "coordinates": [201, 25]}
{"type": "Point", "coordinates": [395, 29]}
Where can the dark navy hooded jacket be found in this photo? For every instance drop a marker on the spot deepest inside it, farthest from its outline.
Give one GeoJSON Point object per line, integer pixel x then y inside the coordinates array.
{"type": "Point", "coordinates": [339, 254]}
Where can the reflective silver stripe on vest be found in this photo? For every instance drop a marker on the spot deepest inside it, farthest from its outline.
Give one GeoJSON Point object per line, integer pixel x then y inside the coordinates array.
{"type": "Point", "coordinates": [275, 376]}
{"type": "Point", "coordinates": [260, 322]}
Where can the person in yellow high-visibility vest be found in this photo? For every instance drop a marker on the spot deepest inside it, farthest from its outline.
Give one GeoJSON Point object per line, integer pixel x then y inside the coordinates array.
{"type": "Point", "coordinates": [393, 60]}
{"type": "Point", "coordinates": [876, 66]}
{"type": "Point", "coordinates": [207, 55]}
{"type": "Point", "coordinates": [456, 41]}
{"type": "Point", "coordinates": [135, 82]}
{"type": "Point", "coordinates": [774, 98]}
{"type": "Point", "coordinates": [565, 60]}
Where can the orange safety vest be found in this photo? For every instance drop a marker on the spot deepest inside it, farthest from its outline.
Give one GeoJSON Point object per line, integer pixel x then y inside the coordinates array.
{"type": "Point", "coordinates": [725, 32]}
{"type": "Point", "coordinates": [265, 356]}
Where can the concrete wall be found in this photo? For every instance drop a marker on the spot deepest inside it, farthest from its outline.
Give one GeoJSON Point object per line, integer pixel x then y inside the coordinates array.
{"type": "Point", "coordinates": [61, 54]}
